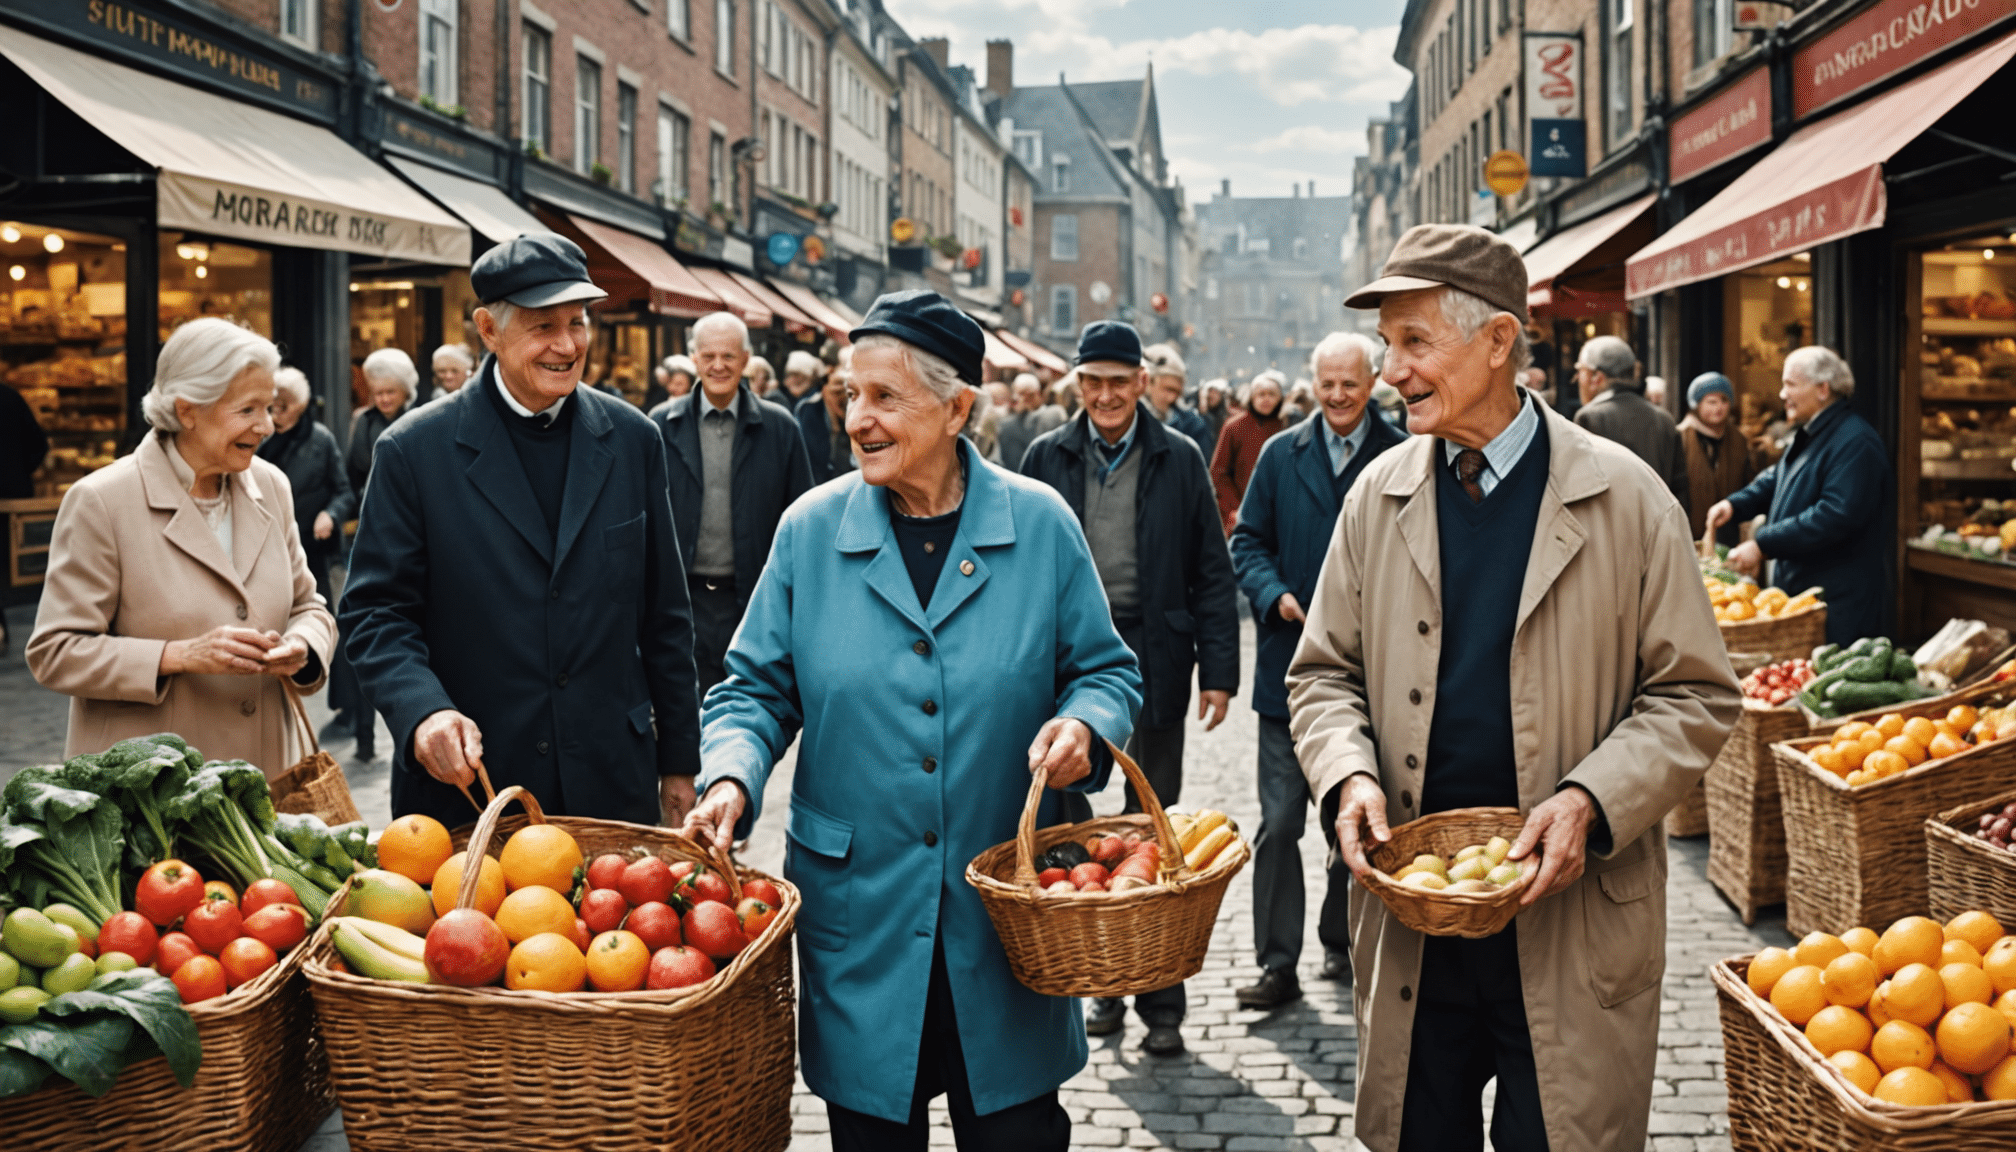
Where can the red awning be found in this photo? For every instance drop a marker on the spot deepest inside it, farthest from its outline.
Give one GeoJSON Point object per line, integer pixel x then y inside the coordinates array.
{"type": "Point", "coordinates": [1823, 183]}
{"type": "Point", "coordinates": [795, 319]}
{"type": "Point", "coordinates": [734, 297]}
{"type": "Point", "coordinates": [809, 302]}
{"type": "Point", "coordinates": [1038, 355]}
{"type": "Point", "coordinates": [1579, 249]}
{"type": "Point", "coordinates": [637, 268]}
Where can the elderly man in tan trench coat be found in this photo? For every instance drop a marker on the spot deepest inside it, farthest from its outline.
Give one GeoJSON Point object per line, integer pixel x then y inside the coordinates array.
{"type": "Point", "coordinates": [1573, 669]}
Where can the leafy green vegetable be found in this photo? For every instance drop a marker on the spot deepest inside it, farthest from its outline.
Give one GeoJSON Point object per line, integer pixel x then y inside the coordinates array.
{"type": "Point", "coordinates": [88, 1037]}
{"type": "Point", "coordinates": [315, 841]}
{"type": "Point", "coordinates": [356, 840]}
{"type": "Point", "coordinates": [139, 776]}
{"type": "Point", "coordinates": [21, 1073]}
{"type": "Point", "coordinates": [69, 838]}
{"type": "Point", "coordinates": [150, 1000]}
{"type": "Point", "coordinates": [222, 809]}
{"type": "Point", "coordinates": [88, 1052]}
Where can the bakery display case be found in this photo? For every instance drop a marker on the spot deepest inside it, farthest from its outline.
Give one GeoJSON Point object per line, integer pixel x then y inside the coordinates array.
{"type": "Point", "coordinates": [63, 342]}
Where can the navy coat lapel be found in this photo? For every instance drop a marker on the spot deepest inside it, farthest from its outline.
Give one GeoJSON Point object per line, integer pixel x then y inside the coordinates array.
{"type": "Point", "coordinates": [588, 461]}
{"type": "Point", "coordinates": [496, 471]}
{"type": "Point", "coordinates": [685, 438]}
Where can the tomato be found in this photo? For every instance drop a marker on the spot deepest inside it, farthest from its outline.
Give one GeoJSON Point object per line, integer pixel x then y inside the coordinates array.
{"type": "Point", "coordinates": [167, 892]}
{"type": "Point", "coordinates": [755, 916]}
{"type": "Point", "coordinates": [765, 891]}
{"type": "Point", "coordinates": [200, 978]}
{"type": "Point", "coordinates": [219, 890]}
{"type": "Point", "coordinates": [213, 925]}
{"type": "Point", "coordinates": [278, 926]}
{"type": "Point", "coordinates": [244, 959]}
{"type": "Point", "coordinates": [176, 949]}
{"type": "Point", "coordinates": [262, 893]}
{"type": "Point", "coordinates": [129, 932]}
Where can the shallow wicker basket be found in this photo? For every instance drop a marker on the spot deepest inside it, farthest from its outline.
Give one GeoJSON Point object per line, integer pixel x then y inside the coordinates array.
{"type": "Point", "coordinates": [427, 1066]}
{"type": "Point", "coordinates": [1964, 872]}
{"type": "Point", "coordinates": [1102, 943]}
{"type": "Point", "coordinates": [1784, 1097]}
{"type": "Point", "coordinates": [1445, 834]}
{"type": "Point", "coordinates": [1784, 637]}
{"type": "Point", "coordinates": [263, 1085]}
{"type": "Point", "coordinates": [1746, 826]}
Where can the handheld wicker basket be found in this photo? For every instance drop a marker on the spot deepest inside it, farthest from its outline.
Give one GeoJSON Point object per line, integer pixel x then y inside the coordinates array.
{"type": "Point", "coordinates": [263, 1086]}
{"type": "Point", "coordinates": [315, 784]}
{"type": "Point", "coordinates": [1784, 1097]}
{"type": "Point", "coordinates": [1444, 834]}
{"type": "Point", "coordinates": [1784, 637]}
{"type": "Point", "coordinates": [1102, 943]}
{"type": "Point", "coordinates": [1746, 825]}
{"type": "Point", "coordinates": [1965, 872]}
{"type": "Point", "coordinates": [428, 1066]}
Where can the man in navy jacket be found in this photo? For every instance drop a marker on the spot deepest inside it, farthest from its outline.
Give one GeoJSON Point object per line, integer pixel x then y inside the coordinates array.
{"type": "Point", "coordinates": [822, 423]}
{"type": "Point", "coordinates": [516, 598]}
{"type": "Point", "coordinates": [1285, 524]}
{"type": "Point", "coordinates": [1826, 502]}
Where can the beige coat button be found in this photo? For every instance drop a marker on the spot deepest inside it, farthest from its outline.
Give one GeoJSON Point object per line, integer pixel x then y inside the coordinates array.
{"type": "Point", "coordinates": [247, 707]}
{"type": "Point", "coordinates": [965, 567]}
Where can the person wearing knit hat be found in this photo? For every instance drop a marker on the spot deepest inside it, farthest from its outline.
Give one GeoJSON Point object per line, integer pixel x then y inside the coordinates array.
{"type": "Point", "coordinates": [1720, 459]}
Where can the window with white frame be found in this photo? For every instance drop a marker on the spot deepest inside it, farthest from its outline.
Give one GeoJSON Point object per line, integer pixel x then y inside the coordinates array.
{"type": "Point", "coordinates": [297, 22]}
{"type": "Point", "coordinates": [587, 114]}
{"type": "Point", "coordinates": [717, 168]}
{"type": "Point", "coordinates": [675, 136]}
{"type": "Point", "coordinates": [1064, 237]}
{"type": "Point", "coordinates": [1029, 149]}
{"type": "Point", "coordinates": [724, 37]}
{"type": "Point", "coordinates": [626, 138]}
{"type": "Point", "coordinates": [437, 52]}
{"type": "Point", "coordinates": [539, 88]}
{"type": "Point", "coordinates": [1060, 173]}
{"type": "Point", "coordinates": [1712, 30]}
{"type": "Point", "coordinates": [1063, 309]}
{"type": "Point", "coordinates": [1619, 63]}
{"type": "Point", "coordinates": [679, 19]}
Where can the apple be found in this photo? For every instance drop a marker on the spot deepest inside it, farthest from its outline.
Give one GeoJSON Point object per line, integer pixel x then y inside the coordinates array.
{"type": "Point", "coordinates": [580, 936]}
{"type": "Point", "coordinates": [644, 881]}
{"type": "Point", "coordinates": [755, 916]}
{"type": "Point", "coordinates": [1091, 872]}
{"type": "Point", "coordinates": [466, 948]}
{"type": "Point", "coordinates": [678, 967]}
{"type": "Point", "coordinates": [656, 924]}
{"type": "Point", "coordinates": [603, 909]}
{"type": "Point", "coordinates": [713, 928]}
{"type": "Point", "coordinates": [606, 871]}
{"type": "Point", "coordinates": [1044, 878]}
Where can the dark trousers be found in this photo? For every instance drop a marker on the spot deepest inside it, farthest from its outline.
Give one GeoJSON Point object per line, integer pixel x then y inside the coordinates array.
{"type": "Point", "coordinates": [1469, 1026]}
{"type": "Point", "coordinates": [717, 612]}
{"type": "Point", "coordinates": [1278, 898]}
{"type": "Point", "coordinates": [1038, 1125]}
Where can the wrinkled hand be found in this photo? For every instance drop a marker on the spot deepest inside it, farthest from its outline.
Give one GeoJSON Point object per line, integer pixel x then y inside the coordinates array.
{"type": "Point", "coordinates": [450, 746]}
{"type": "Point", "coordinates": [1289, 608]}
{"type": "Point", "coordinates": [675, 800]}
{"type": "Point", "coordinates": [1217, 700]}
{"type": "Point", "coordinates": [1063, 748]}
{"type": "Point", "coordinates": [225, 651]}
{"type": "Point", "coordinates": [324, 526]}
{"type": "Point", "coordinates": [287, 657]}
{"type": "Point", "coordinates": [712, 821]}
{"type": "Point", "coordinates": [1361, 806]}
{"type": "Point", "coordinates": [1559, 826]}
{"type": "Point", "coordinates": [1720, 513]}
{"type": "Point", "coordinates": [1747, 558]}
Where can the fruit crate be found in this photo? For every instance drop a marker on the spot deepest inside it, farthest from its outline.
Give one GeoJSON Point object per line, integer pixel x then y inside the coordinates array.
{"type": "Point", "coordinates": [263, 1085]}
{"type": "Point", "coordinates": [432, 1067]}
{"type": "Point", "coordinates": [1746, 825]}
{"type": "Point", "coordinates": [1783, 1097]}
{"type": "Point", "coordinates": [1783, 637]}
{"type": "Point", "coordinates": [1857, 855]}
{"type": "Point", "coordinates": [1963, 871]}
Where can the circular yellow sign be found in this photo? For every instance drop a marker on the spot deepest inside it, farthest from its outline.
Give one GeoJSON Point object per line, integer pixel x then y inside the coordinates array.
{"type": "Point", "coordinates": [1505, 173]}
{"type": "Point", "coordinates": [902, 229]}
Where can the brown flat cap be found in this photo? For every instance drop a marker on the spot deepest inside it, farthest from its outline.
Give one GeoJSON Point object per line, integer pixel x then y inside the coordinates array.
{"type": "Point", "coordinates": [1457, 255]}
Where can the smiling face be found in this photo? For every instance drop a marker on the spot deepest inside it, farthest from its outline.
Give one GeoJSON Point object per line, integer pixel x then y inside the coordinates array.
{"type": "Point", "coordinates": [1803, 398]}
{"type": "Point", "coordinates": [721, 357]}
{"type": "Point", "coordinates": [1111, 389]}
{"type": "Point", "coordinates": [1343, 387]}
{"type": "Point", "coordinates": [1460, 390]}
{"type": "Point", "coordinates": [387, 396]}
{"type": "Point", "coordinates": [899, 427]}
{"type": "Point", "coordinates": [222, 437]}
{"type": "Point", "coordinates": [541, 353]}
{"type": "Point", "coordinates": [450, 374]}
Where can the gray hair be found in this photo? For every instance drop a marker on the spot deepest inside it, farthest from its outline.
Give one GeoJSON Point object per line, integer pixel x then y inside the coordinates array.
{"type": "Point", "coordinates": [1816, 364]}
{"type": "Point", "coordinates": [802, 363]}
{"type": "Point", "coordinates": [1219, 385]}
{"type": "Point", "coordinates": [1471, 313]}
{"type": "Point", "coordinates": [727, 321]}
{"type": "Point", "coordinates": [198, 364]}
{"type": "Point", "coordinates": [454, 352]}
{"type": "Point", "coordinates": [750, 369]}
{"type": "Point", "coordinates": [392, 366]}
{"type": "Point", "coordinates": [682, 364]}
{"type": "Point", "coordinates": [1270, 376]}
{"type": "Point", "coordinates": [1027, 380]}
{"type": "Point", "coordinates": [293, 382]}
{"type": "Point", "coordinates": [1610, 356]}
{"type": "Point", "coordinates": [1338, 343]}
{"type": "Point", "coordinates": [1163, 360]}
{"type": "Point", "coordinates": [931, 370]}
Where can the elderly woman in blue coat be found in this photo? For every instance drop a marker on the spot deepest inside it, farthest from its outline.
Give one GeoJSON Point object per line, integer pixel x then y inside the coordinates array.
{"type": "Point", "coordinates": [936, 628]}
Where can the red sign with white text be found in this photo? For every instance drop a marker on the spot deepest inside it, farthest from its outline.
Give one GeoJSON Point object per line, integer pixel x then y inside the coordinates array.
{"type": "Point", "coordinates": [1829, 212]}
{"type": "Point", "coordinates": [1882, 41]}
{"type": "Point", "coordinates": [1735, 121]}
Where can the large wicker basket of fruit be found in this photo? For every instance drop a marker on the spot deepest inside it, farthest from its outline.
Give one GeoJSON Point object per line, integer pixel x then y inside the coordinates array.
{"type": "Point", "coordinates": [1767, 620]}
{"type": "Point", "coordinates": [1891, 1043]}
{"type": "Point", "coordinates": [628, 1038]}
{"type": "Point", "coordinates": [1134, 910]}
{"type": "Point", "coordinates": [1968, 859]}
{"type": "Point", "coordinates": [1446, 874]}
{"type": "Point", "coordinates": [1856, 802]}
{"type": "Point", "coordinates": [1746, 831]}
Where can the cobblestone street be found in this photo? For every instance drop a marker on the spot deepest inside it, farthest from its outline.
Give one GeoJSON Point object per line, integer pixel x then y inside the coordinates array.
{"type": "Point", "coordinates": [1251, 1080]}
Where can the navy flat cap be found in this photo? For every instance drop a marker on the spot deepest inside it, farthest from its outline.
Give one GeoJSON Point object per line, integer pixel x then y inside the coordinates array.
{"type": "Point", "coordinates": [926, 320]}
{"type": "Point", "coordinates": [534, 270]}
{"type": "Point", "coordinates": [1108, 340]}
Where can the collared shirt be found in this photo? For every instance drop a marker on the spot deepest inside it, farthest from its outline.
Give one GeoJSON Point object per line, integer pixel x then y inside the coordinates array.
{"type": "Point", "coordinates": [551, 413]}
{"type": "Point", "coordinates": [714, 548]}
{"type": "Point", "coordinates": [1110, 455]}
{"type": "Point", "coordinates": [1505, 449]}
{"type": "Point", "coordinates": [1343, 448]}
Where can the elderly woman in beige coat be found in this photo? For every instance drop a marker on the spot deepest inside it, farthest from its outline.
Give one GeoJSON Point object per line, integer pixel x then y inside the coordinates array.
{"type": "Point", "coordinates": [178, 597]}
{"type": "Point", "coordinates": [1509, 614]}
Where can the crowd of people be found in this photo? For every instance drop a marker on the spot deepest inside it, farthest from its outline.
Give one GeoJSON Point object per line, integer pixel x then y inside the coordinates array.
{"type": "Point", "coordinates": [936, 584]}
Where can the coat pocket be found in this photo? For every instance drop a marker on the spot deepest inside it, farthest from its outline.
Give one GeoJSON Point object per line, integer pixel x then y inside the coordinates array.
{"type": "Point", "coordinates": [1625, 930]}
{"type": "Point", "coordinates": [816, 851]}
{"type": "Point", "coordinates": [623, 552]}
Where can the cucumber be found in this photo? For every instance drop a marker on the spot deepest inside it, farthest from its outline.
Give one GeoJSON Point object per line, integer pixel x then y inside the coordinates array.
{"type": "Point", "coordinates": [1902, 667]}
{"type": "Point", "coordinates": [1823, 657]}
{"type": "Point", "coordinates": [1856, 696]}
{"type": "Point", "coordinates": [1868, 669]}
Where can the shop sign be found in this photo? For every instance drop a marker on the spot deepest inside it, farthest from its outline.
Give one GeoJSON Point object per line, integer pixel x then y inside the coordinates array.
{"type": "Point", "coordinates": [1736, 120]}
{"type": "Point", "coordinates": [1882, 41]}
{"type": "Point", "coordinates": [1628, 179]}
{"type": "Point", "coordinates": [1505, 173]}
{"type": "Point", "coordinates": [1846, 206]}
{"type": "Point", "coordinates": [415, 137]}
{"type": "Point", "coordinates": [782, 248]}
{"type": "Point", "coordinates": [163, 36]}
{"type": "Point", "coordinates": [242, 213]}
{"type": "Point", "coordinates": [1553, 66]}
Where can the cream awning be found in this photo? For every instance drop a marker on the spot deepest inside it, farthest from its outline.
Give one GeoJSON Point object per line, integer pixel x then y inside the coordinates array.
{"type": "Point", "coordinates": [484, 206]}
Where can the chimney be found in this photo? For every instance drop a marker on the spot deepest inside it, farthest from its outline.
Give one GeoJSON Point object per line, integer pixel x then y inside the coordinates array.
{"type": "Point", "coordinates": [1001, 67]}
{"type": "Point", "coordinates": [939, 49]}
{"type": "Point", "coordinates": [1225, 188]}
{"type": "Point", "coordinates": [1312, 189]}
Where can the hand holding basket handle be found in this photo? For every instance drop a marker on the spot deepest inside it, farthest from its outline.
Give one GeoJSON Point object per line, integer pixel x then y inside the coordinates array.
{"type": "Point", "coordinates": [1062, 752]}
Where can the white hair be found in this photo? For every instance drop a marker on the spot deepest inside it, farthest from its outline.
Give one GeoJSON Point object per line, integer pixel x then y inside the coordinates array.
{"type": "Point", "coordinates": [1338, 343]}
{"type": "Point", "coordinates": [293, 382]}
{"type": "Point", "coordinates": [1816, 364]}
{"type": "Point", "coordinates": [756, 364]}
{"type": "Point", "coordinates": [392, 366]}
{"type": "Point", "coordinates": [1610, 356]}
{"type": "Point", "coordinates": [726, 321]}
{"type": "Point", "coordinates": [801, 362]}
{"type": "Point", "coordinates": [682, 364]}
{"type": "Point", "coordinates": [454, 352]}
{"type": "Point", "coordinates": [1163, 360]}
{"type": "Point", "coordinates": [931, 370]}
{"type": "Point", "coordinates": [1471, 313]}
{"type": "Point", "coordinates": [1219, 385]}
{"type": "Point", "coordinates": [1270, 376]}
{"type": "Point", "coordinates": [198, 364]}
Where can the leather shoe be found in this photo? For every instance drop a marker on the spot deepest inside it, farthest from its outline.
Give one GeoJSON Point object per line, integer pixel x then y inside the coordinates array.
{"type": "Point", "coordinates": [1163, 1040]}
{"type": "Point", "coordinates": [1108, 1015]}
{"type": "Point", "coordinates": [1276, 986]}
{"type": "Point", "coordinates": [1336, 965]}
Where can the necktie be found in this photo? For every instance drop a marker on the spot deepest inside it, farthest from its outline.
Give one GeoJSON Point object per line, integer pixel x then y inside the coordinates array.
{"type": "Point", "coordinates": [1469, 466]}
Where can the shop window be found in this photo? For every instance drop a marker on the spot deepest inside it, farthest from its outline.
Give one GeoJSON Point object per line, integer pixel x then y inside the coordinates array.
{"type": "Point", "coordinates": [626, 138]}
{"type": "Point", "coordinates": [437, 53]}
{"type": "Point", "coordinates": [724, 37]}
{"type": "Point", "coordinates": [1064, 309]}
{"type": "Point", "coordinates": [538, 90]}
{"type": "Point", "coordinates": [1064, 237]}
{"type": "Point", "coordinates": [297, 22]}
{"type": "Point", "coordinates": [63, 343]}
{"type": "Point", "coordinates": [1768, 312]}
{"type": "Point", "coordinates": [587, 115]}
{"type": "Point", "coordinates": [207, 278]}
{"type": "Point", "coordinates": [675, 133]}
{"type": "Point", "coordinates": [1965, 377]}
{"type": "Point", "coordinates": [679, 19]}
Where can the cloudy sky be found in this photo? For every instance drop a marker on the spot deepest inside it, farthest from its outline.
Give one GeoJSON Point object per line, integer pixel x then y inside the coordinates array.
{"type": "Point", "coordinates": [1265, 94]}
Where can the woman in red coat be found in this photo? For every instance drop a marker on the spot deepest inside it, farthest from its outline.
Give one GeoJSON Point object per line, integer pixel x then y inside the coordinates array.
{"type": "Point", "coordinates": [1240, 441]}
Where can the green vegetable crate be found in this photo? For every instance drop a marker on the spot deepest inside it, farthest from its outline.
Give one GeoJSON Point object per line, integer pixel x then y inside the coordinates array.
{"type": "Point", "coordinates": [1869, 676]}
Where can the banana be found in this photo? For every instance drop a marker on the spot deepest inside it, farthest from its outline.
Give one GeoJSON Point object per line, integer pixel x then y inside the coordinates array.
{"type": "Point", "coordinates": [1207, 822]}
{"type": "Point", "coordinates": [1208, 848]}
{"type": "Point", "coordinates": [391, 937]}
{"type": "Point", "coordinates": [373, 959]}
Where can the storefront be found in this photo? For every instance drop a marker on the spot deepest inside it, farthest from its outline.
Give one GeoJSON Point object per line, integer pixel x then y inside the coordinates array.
{"type": "Point", "coordinates": [1575, 286]}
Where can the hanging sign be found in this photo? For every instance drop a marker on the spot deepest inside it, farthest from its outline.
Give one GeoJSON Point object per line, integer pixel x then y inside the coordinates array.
{"type": "Point", "coordinates": [1760, 15]}
{"type": "Point", "coordinates": [902, 229]}
{"type": "Point", "coordinates": [782, 248]}
{"type": "Point", "coordinates": [1553, 66]}
{"type": "Point", "coordinates": [1505, 173]}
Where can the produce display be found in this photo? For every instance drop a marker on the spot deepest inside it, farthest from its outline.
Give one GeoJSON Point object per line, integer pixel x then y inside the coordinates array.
{"type": "Point", "coordinates": [1477, 870]}
{"type": "Point", "coordinates": [1115, 862]}
{"type": "Point", "coordinates": [543, 919]}
{"type": "Point", "coordinates": [1863, 753]}
{"type": "Point", "coordinates": [1738, 598]}
{"type": "Point", "coordinates": [1870, 673]}
{"type": "Point", "coordinates": [1995, 825]}
{"type": "Point", "coordinates": [1921, 1015]}
{"type": "Point", "coordinates": [1774, 684]}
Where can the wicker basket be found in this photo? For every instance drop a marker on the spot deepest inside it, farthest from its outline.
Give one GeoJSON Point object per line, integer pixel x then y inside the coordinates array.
{"type": "Point", "coordinates": [1963, 872]}
{"type": "Point", "coordinates": [427, 1066]}
{"type": "Point", "coordinates": [315, 785]}
{"type": "Point", "coordinates": [263, 1085]}
{"type": "Point", "coordinates": [1445, 834]}
{"type": "Point", "coordinates": [1931, 706]}
{"type": "Point", "coordinates": [1856, 856]}
{"type": "Point", "coordinates": [1102, 943]}
{"type": "Point", "coordinates": [1746, 826]}
{"type": "Point", "coordinates": [1784, 1097]}
{"type": "Point", "coordinates": [1784, 637]}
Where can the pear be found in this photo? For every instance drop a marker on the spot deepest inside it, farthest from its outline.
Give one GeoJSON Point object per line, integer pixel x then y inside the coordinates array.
{"type": "Point", "coordinates": [1471, 887]}
{"type": "Point", "coordinates": [1497, 850]}
{"type": "Point", "coordinates": [1429, 862]}
{"type": "Point", "coordinates": [1427, 880]}
{"type": "Point", "coordinates": [1502, 875]}
{"type": "Point", "coordinates": [1472, 868]}
{"type": "Point", "coordinates": [1467, 853]}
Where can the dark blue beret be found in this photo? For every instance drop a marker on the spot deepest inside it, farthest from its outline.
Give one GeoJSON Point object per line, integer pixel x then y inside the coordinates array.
{"type": "Point", "coordinates": [534, 270]}
{"type": "Point", "coordinates": [1108, 340]}
{"type": "Point", "coordinates": [924, 319]}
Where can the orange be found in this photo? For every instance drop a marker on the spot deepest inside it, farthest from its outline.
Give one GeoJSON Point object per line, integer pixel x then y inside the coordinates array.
{"type": "Point", "coordinates": [1771, 963]}
{"type": "Point", "coordinates": [529, 912]}
{"type": "Point", "coordinates": [1916, 993]}
{"type": "Point", "coordinates": [1965, 984]}
{"type": "Point", "coordinates": [2000, 963]}
{"type": "Point", "coordinates": [1958, 1089]}
{"type": "Point", "coordinates": [1958, 952]}
{"type": "Point", "coordinates": [1944, 745]}
{"type": "Point", "coordinates": [1977, 928]}
{"type": "Point", "coordinates": [1830, 759]}
{"type": "Point", "coordinates": [1945, 728]}
{"type": "Point", "coordinates": [414, 847]}
{"type": "Point", "coordinates": [617, 962]}
{"type": "Point", "coordinates": [1920, 729]}
{"type": "Point", "coordinates": [1973, 1038]}
{"type": "Point", "coordinates": [1999, 1083]}
{"type": "Point", "coordinates": [448, 885]}
{"type": "Point", "coordinates": [1870, 741]}
{"type": "Point", "coordinates": [1911, 750]}
{"type": "Point", "coordinates": [1962, 716]}
{"type": "Point", "coordinates": [1912, 940]}
{"type": "Point", "coordinates": [1853, 730]}
{"type": "Point", "coordinates": [1902, 1044]}
{"type": "Point", "coordinates": [2006, 1004]}
{"type": "Point", "coordinates": [1837, 1029]}
{"type": "Point", "coordinates": [1818, 949]}
{"type": "Point", "coordinates": [1798, 995]}
{"type": "Point", "coordinates": [540, 854]}
{"type": "Point", "coordinates": [1861, 940]}
{"type": "Point", "coordinates": [548, 962]}
{"type": "Point", "coordinates": [1879, 1012]}
{"type": "Point", "coordinates": [1884, 762]}
{"type": "Point", "coordinates": [1860, 1070]}
{"type": "Point", "coordinates": [1910, 1088]}
{"type": "Point", "coordinates": [1849, 979]}
{"type": "Point", "coordinates": [1890, 724]}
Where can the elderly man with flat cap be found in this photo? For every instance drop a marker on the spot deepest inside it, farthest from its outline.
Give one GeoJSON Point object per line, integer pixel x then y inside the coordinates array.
{"type": "Point", "coordinates": [516, 597]}
{"type": "Point", "coordinates": [1509, 615]}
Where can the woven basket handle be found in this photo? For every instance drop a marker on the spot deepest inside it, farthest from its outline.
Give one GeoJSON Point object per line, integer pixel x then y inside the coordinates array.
{"type": "Point", "coordinates": [299, 711]}
{"type": "Point", "coordinates": [479, 840]}
{"type": "Point", "coordinates": [1165, 833]}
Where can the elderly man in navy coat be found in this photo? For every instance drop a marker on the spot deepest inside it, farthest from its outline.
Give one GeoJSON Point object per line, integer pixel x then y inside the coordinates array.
{"type": "Point", "coordinates": [1285, 524]}
{"type": "Point", "coordinates": [516, 597]}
